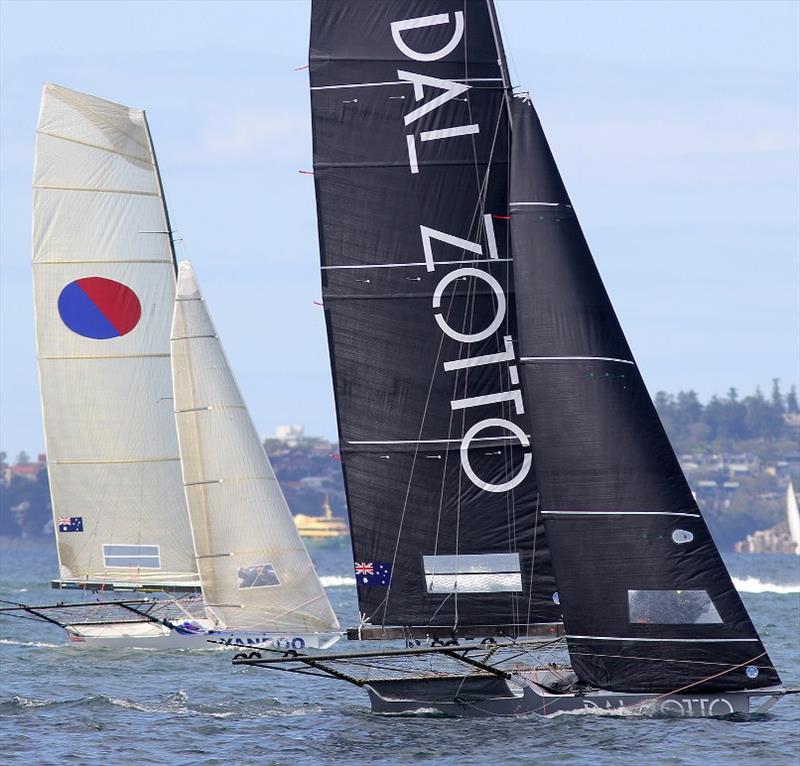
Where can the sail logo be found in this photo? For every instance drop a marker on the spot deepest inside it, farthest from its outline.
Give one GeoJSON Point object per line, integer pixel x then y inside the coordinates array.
{"type": "Point", "coordinates": [441, 92]}
{"type": "Point", "coordinates": [99, 308]}
{"type": "Point", "coordinates": [449, 88]}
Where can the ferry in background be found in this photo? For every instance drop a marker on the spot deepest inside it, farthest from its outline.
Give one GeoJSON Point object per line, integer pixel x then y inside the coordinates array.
{"type": "Point", "coordinates": [321, 527]}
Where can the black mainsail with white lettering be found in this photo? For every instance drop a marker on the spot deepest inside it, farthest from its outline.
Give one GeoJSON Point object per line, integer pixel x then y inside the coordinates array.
{"type": "Point", "coordinates": [648, 604]}
{"type": "Point", "coordinates": [410, 130]}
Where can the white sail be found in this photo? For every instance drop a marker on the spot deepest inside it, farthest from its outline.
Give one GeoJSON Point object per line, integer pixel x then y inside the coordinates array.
{"type": "Point", "coordinates": [255, 570]}
{"type": "Point", "coordinates": [104, 284]}
{"type": "Point", "coordinates": [793, 517]}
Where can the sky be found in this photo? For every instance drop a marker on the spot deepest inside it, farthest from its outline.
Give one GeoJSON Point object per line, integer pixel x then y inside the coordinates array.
{"type": "Point", "coordinates": [676, 126]}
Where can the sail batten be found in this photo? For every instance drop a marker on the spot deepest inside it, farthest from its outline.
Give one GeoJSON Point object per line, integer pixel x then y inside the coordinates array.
{"type": "Point", "coordinates": [103, 298]}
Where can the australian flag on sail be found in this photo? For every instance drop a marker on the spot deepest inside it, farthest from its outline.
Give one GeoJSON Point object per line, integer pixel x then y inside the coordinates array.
{"type": "Point", "coordinates": [70, 523]}
{"type": "Point", "coordinates": [373, 573]}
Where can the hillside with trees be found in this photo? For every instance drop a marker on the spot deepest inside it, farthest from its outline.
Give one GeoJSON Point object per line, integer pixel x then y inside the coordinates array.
{"type": "Point", "coordinates": [738, 453]}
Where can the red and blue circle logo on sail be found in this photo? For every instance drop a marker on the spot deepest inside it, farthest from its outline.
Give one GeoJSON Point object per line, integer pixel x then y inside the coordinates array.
{"type": "Point", "coordinates": [99, 308]}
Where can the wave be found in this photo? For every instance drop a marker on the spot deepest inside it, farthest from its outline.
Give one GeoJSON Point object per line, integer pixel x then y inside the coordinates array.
{"type": "Point", "coordinates": [754, 585]}
{"type": "Point", "coordinates": [174, 704]}
{"type": "Point", "coordinates": [336, 581]}
{"type": "Point", "coordinates": [38, 644]}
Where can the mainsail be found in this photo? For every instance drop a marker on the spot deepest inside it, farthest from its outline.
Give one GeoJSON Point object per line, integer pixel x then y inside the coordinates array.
{"type": "Point", "coordinates": [648, 604]}
{"type": "Point", "coordinates": [104, 281]}
{"type": "Point", "coordinates": [255, 570]}
{"type": "Point", "coordinates": [411, 143]}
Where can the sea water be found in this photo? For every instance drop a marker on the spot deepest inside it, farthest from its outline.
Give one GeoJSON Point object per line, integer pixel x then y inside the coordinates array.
{"type": "Point", "coordinates": [61, 704]}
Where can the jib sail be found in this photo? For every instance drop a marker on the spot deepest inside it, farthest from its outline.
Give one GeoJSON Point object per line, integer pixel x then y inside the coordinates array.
{"type": "Point", "coordinates": [648, 604]}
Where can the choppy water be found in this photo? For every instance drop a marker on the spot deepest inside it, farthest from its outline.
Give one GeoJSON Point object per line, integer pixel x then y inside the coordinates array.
{"type": "Point", "coordinates": [59, 704]}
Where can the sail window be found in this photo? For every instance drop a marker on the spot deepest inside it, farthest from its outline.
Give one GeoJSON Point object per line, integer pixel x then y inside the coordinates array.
{"type": "Point", "coordinates": [680, 536]}
{"type": "Point", "coordinates": [258, 576]}
{"type": "Point", "coordinates": [473, 573]}
{"type": "Point", "coordinates": [139, 556]}
{"type": "Point", "coordinates": [671, 607]}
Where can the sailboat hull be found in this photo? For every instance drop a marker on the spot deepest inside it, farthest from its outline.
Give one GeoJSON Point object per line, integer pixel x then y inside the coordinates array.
{"type": "Point", "coordinates": [150, 635]}
{"type": "Point", "coordinates": [479, 696]}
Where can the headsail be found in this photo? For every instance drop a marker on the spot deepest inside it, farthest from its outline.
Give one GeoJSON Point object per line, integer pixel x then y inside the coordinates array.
{"type": "Point", "coordinates": [648, 604]}
{"type": "Point", "coordinates": [104, 282]}
{"type": "Point", "coordinates": [793, 517]}
{"type": "Point", "coordinates": [255, 570]}
{"type": "Point", "coordinates": [411, 146]}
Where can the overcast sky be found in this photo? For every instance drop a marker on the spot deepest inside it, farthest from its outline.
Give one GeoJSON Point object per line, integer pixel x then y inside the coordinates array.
{"type": "Point", "coordinates": [675, 125]}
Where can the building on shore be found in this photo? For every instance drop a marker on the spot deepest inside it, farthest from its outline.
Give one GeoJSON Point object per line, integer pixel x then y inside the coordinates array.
{"type": "Point", "coordinates": [784, 537]}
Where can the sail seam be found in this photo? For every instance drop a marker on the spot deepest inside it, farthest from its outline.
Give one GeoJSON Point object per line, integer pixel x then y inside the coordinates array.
{"type": "Point", "coordinates": [230, 479]}
{"type": "Point", "coordinates": [438, 441]}
{"type": "Point", "coordinates": [397, 82]}
{"type": "Point", "coordinates": [192, 337]}
{"type": "Point", "coordinates": [574, 358]}
{"type": "Point", "coordinates": [625, 513]}
{"type": "Point", "coordinates": [113, 462]}
{"type": "Point", "coordinates": [543, 204]}
{"type": "Point", "coordinates": [145, 159]}
{"type": "Point", "coordinates": [109, 356]}
{"type": "Point", "coordinates": [100, 191]}
{"type": "Point", "coordinates": [212, 407]}
{"type": "Point", "coordinates": [162, 260]}
{"type": "Point", "coordinates": [412, 265]}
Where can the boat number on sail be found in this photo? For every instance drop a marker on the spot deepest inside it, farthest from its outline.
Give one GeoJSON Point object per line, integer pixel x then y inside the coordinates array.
{"type": "Point", "coordinates": [99, 308]}
{"type": "Point", "coordinates": [445, 91]}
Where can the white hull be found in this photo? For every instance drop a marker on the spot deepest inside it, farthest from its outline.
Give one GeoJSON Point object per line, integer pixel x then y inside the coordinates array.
{"type": "Point", "coordinates": [151, 635]}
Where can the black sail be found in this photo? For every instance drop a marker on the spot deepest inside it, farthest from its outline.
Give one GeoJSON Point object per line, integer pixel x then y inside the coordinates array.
{"type": "Point", "coordinates": [648, 604]}
{"type": "Point", "coordinates": [411, 143]}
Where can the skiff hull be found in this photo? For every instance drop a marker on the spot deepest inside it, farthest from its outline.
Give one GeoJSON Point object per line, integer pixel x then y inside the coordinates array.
{"type": "Point", "coordinates": [520, 696]}
{"type": "Point", "coordinates": [149, 635]}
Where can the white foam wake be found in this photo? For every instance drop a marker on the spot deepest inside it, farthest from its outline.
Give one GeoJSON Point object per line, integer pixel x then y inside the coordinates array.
{"type": "Point", "coordinates": [336, 581]}
{"type": "Point", "coordinates": [754, 585]}
{"type": "Point", "coordinates": [40, 644]}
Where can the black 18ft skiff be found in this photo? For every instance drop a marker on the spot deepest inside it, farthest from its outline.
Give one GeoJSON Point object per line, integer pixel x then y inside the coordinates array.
{"type": "Point", "coordinates": [508, 479]}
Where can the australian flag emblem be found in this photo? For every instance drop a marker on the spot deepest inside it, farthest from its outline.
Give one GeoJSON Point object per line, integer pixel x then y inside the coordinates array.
{"type": "Point", "coordinates": [70, 523]}
{"type": "Point", "coordinates": [373, 573]}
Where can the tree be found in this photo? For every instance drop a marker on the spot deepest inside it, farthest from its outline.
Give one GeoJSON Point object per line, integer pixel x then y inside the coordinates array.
{"type": "Point", "coordinates": [791, 401]}
{"type": "Point", "coordinates": [23, 458]}
{"type": "Point", "coordinates": [776, 399]}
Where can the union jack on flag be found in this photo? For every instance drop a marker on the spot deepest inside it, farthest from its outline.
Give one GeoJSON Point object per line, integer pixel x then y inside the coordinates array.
{"type": "Point", "coordinates": [70, 523]}
{"type": "Point", "coordinates": [372, 573]}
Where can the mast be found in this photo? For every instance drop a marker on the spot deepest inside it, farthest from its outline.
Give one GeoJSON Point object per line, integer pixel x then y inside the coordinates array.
{"type": "Point", "coordinates": [103, 293]}
{"type": "Point", "coordinates": [501, 57]}
{"type": "Point", "coordinates": [410, 129]}
{"type": "Point", "coordinates": [648, 604]}
{"type": "Point", "coordinates": [161, 192]}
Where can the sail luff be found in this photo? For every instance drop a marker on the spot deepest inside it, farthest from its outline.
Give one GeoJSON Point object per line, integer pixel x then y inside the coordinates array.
{"type": "Point", "coordinates": [255, 570]}
{"type": "Point", "coordinates": [648, 604]}
{"type": "Point", "coordinates": [102, 292]}
{"type": "Point", "coordinates": [163, 196]}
